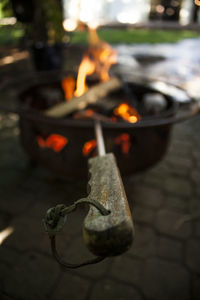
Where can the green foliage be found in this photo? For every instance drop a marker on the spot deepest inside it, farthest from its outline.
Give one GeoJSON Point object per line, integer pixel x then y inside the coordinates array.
{"type": "Point", "coordinates": [115, 36]}
{"type": "Point", "coordinates": [47, 23]}
{"type": "Point", "coordinates": [53, 19]}
{"type": "Point", "coordinates": [5, 9]}
{"type": "Point", "coordinates": [10, 35]}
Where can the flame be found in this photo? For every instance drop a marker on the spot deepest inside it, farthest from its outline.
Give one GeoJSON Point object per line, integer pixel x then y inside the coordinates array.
{"type": "Point", "coordinates": [128, 113]}
{"type": "Point", "coordinates": [102, 54]}
{"type": "Point", "coordinates": [98, 60]}
{"type": "Point", "coordinates": [124, 141]}
{"type": "Point", "coordinates": [86, 68]}
{"type": "Point", "coordinates": [54, 141]}
{"type": "Point", "coordinates": [88, 147]}
{"type": "Point", "coordinates": [68, 85]}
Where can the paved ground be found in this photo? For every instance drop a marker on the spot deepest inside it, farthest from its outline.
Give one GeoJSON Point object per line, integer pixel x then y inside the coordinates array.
{"type": "Point", "coordinates": [164, 261]}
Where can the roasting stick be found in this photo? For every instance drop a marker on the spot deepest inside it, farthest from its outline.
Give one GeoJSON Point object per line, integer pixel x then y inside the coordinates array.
{"type": "Point", "coordinates": [111, 234]}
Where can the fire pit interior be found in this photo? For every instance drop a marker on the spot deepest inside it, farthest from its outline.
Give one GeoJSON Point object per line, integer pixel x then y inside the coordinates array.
{"type": "Point", "coordinates": [65, 144]}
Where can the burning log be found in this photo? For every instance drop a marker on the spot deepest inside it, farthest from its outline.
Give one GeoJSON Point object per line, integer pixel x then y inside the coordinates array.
{"type": "Point", "coordinates": [94, 94]}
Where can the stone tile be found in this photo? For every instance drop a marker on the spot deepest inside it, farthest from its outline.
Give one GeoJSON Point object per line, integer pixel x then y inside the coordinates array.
{"type": "Point", "coordinates": [180, 146]}
{"type": "Point", "coordinates": [108, 289]}
{"type": "Point", "coordinates": [144, 244]}
{"type": "Point", "coordinates": [165, 280]}
{"type": "Point", "coordinates": [129, 270]}
{"type": "Point", "coordinates": [11, 178]}
{"type": "Point", "coordinates": [8, 256]}
{"type": "Point", "coordinates": [178, 186]}
{"type": "Point", "coordinates": [176, 203]}
{"type": "Point", "coordinates": [180, 149]}
{"type": "Point", "coordinates": [170, 249]}
{"type": "Point", "coordinates": [4, 270]}
{"type": "Point", "coordinates": [196, 288]}
{"type": "Point", "coordinates": [8, 161]}
{"type": "Point", "coordinates": [179, 165]}
{"type": "Point", "coordinates": [198, 191]}
{"type": "Point", "coordinates": [180, 161]}
{"type": "Point", "coordinates": [197, 227]}
{"type": "Point", "coordinates": [32, 278]}
{"type": "Point", "coordinates": [154, 180]}
{"type": "Point", "coordinates": [15, 200]}
{"type": "Point", "coordinates": [149, 196]}
{"type": "Point", "coordinates": [4, 220]}
{"type": "Point", "coordinates": [195, 175]}
{"type": "Point", "coordinates": [75, 251]}
{"type": "Point", "coordinates": [143, 214]}
{"type": "Point", "coordinates": [162, 169]}
{"type": "Point", "coordinates": [192, 255]}
{"type": "Point", "coordinates": [194, 207]}
{"type": "Point", "coordinates": [28, 234]}
{"type": "Point", "coordinates": [5, 297]}
{"type": "Point", "coordinates": [157, 174]}
{"type": "Point", "coordinates": [167, 223]}
{"type": "Point", "coordinates": [196, 154]}
{"type": "Point", "coordinates": [71, 287]}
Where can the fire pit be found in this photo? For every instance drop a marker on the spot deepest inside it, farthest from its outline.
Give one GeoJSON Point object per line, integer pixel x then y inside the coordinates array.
{"type": "Point", "coordinates": [64, 144]}
{"type": "Point", "coordinates": [136, 115]}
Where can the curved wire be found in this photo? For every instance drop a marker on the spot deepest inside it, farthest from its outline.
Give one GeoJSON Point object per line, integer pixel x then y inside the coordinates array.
{"type": "Point", "coordinates": [69, 265]}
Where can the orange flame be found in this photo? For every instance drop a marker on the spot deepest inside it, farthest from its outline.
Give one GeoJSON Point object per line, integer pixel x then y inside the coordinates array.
{"type": "Point", "coordinates": [55, 142]}
{"type": "Point", "coordinates": [98, 60]}
{"type": "Point", "coordinates": [88, 147]}
{"type": "Point", "coordinates": [68, 85]}
{"type": "Point", "coordinates": [86, 67]}
{"type": "Point", "coordinates": [124, 141]}
{"type": "Point", "coordinates": [128, 113]}
{"type": "Point", "coordinates": [102, 55]}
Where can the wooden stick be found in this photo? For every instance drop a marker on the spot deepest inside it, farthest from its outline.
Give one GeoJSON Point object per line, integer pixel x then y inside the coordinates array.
{"type": "Point", "coordinates": [94, 94]}
{"type": "Point", "coordinates": [111, 234]}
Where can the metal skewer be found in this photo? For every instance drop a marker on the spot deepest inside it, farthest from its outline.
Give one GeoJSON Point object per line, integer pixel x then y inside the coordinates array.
{"type": "Point", "coordinates": [100, 139]}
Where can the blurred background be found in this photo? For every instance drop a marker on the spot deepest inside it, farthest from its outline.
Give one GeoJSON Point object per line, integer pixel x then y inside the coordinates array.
{"type": "Point", "coordinates": [154, 39]}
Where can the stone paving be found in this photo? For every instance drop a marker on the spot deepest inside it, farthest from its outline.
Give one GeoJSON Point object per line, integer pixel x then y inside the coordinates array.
{"type": "Point", "coordinates": [164, 261]}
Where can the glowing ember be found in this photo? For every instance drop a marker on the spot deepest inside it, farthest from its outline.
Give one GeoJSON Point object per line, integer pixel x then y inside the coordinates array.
{"type": "Point", "coordinates": [55, 142]}
{"type": "Point", "coordinates": [89, 112]}
{"type": "Point", "coordinates": [197, 2]}
{"type": "Point", "coordinates": [88, 147]}
{"type": "Point", "coordinates": [124, 141]}
{"type": "Point", "coordinates": [68, 85]}
{"type": "Point", "coordinates": [126, 112]}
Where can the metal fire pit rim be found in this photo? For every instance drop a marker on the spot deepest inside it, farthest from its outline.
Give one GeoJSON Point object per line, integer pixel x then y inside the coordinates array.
{"type": "Point", "coordinates": [35, 115]}
{"type": "Point", "coordinates": [192, 110]}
